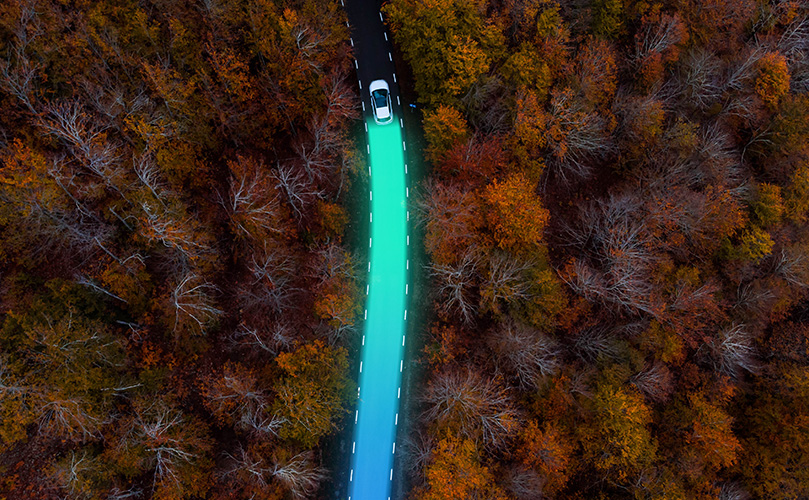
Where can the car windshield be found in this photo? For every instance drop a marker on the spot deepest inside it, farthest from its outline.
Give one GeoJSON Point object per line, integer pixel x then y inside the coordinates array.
{"type": "Point", "coordinates": [380, 97]}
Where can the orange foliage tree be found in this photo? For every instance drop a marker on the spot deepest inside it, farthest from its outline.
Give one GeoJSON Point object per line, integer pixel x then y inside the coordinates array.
{"type": "Point", "coordinates": [514, 213]}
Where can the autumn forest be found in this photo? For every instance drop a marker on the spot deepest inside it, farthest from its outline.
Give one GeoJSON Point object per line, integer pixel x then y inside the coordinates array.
{"type": "Point", "coordinates": [612, 221]}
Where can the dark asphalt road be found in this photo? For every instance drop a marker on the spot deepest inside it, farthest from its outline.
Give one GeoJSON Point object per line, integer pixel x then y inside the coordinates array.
{"type": "Point", "coordinates": [372, 50]}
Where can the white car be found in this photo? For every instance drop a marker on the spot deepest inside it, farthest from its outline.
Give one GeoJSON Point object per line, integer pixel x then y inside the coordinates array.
{"type": "Point", "coordinates": [380, 101]}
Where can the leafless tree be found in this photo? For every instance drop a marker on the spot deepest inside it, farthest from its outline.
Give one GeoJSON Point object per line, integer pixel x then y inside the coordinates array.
{"type": "Point", "coordinates": [524, 483]}
{"type": "Point", "coordinates": [733, 352]}
{"type": "Point", "coordinates": [592, 343]}
{"type": "Point", "coordinates": [582, 136]}
{"type": "Point", "coordinates": [741, 74]}
{"type": "Point", "coordinates": [18, 74]}
{"type": "Point", "coordinates": [193, 303]}
{"type": "Point", "coordinates": [248, 468]}
{"type": "Point", "coordinates": [332, 261]}
{"type": "Point", "coordinates": [486, 102]}
{"type": "Point", "coordinates": [68, 418]}
{"type": "Point", "coordinates": [85, 138]}
{"type": "Point", "coordinates": [615, 235]}
{"type": "Point", "coordinates": [342, 102]}
{"type": "Point", "coordinates": [299, 192]}
{"type": "Point", "coordinates": [505, 281]}
{"type": "Point", "coordinates": [754, 297]}
{"type": "Point", "coordinates": [659, 36]}
{"type": "Point", "coordinates": [449, 213]}
{"type": "Point", "coordinates": [117, 493]}
{"type": "Point", "coordinates": [262, 424]}
{"type": "Point", "coordinates": [167, 437]}
{"type": "Point", "coordinates": [253, 205]}
{"type": "Point", "coordinates": [298, 473]}
{"type": "Point", "coordinates": [655, 381]}
{"type": "Point", "coordinates": [472, 405]}
{"type": "Point", "coordinates": [272, 274]}
{"type": "Point", "coordinates": [69, 474]}
{"type": "Point", "coordinates": [791, 264]}
{"type": "Point", "coordinates": [794, 41]}
{"type": "Point", "coordinates": [148, 174]}
{"type": "Point", "coordinates": [700, 78]}
{"type": "Point", "coordinates": [528, 353]}
{"type": "Point", "coordinates": [718, 162]}
{"type": "Point", "coordinates": [417, 451]}
{"type": "Point", "coordinates": [733, 491]}
{"type": "Point", "coordinates": [172, 230]}
{"type": "Point", "coordinates": [455, 286]}
{"type": "Point", "coordinates": [273, 338]}
{"type": "Point", "coordinates": [237, 394]}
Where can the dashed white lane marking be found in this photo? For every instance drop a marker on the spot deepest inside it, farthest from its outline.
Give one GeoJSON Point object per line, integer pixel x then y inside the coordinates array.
{"type": "Point", "coordinates": [348, 24]}
{"type": "Point", "coordinates": [370, 241]}
{"type": "Point", "coordinates": [398, 102]}
{"type": "Point", "coordinates": [352, 41]}
{"type": "Point", "coordinates": [386, 36]}
{"type": "Point", "coordinates": [401, 122]}
{"type": "Point", "coordinates": [367, 288]}
{"type": "Point", "coordinates": [369, 266]}
{"type": "Point", "coordinates": [369, 148]}
{"type": "Point", "coordinates": [372, 195]}
{"type": "Point", "coordinates": [357, 66]}
{"type": "Point", "coordinates": [399, 393]}
{"type": "Point", "coordinates": [407, 192]}
{"type": "Point", "coordinates": [405, 288]}
{"type": "Point", "coordinates": [390, 57]}
{"type": "Point", "coordinates": [401, 365]}
{"type": "Point", "coordinates": [391, 474]}
{"type": "Point", "coordinates": [408, 240]}
{"type": "Point", "coordinates": [405, 317]}
{"type": "Point", "coordinates": [366, 314]}
{"type": "Point", "coordinates": [354, 447]}
{"type": "Point", "coordinates": [405, 167]}
{"type": "Point", "coordinates": [403, 339]}
{"type": "Point", "coordinates": [342, 3]}
{"type": "Point", "coordinates": [408, 215]}
{"type": "Point", "coordinates": [394, 447]}
{"type": "Point", "coordinates": [366, 126]}
{"type": "Point", "coordinates": [363, 340]}
{"type": "Point", "coordinates": [351, 476]}
{"type": "Point", "coordinates": [396, 422]}
{"type": "Point", "coordinates": [394, 78]}
{"type": "Point", "coordinates": [363, 105]}
{"type": "Point", "coordinates": [404, 146]}
{"type": "Point", "coordinates": [407, 266]}
{"type": "Point", "coordinates": [360, 366]}
{"type": "Point", "coordinates": [380, 17]}
{"type": "Point", "coordinates": [356, 415]}
{"type": "Point", "coordinates": [369, 169]}
{"type": "Point", "coordinates": [372, 217]}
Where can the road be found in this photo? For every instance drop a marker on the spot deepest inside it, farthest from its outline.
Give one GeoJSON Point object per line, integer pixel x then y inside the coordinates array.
{"type": "Point", "coordinates": [381, 360]}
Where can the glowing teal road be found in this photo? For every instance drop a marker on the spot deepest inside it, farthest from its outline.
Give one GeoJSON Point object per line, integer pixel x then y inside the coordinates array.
{"type": "Point", "coordinates": [384, 335]}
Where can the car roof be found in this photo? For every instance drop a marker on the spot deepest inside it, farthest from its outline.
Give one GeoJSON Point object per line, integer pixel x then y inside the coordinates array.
{"type": "Point", "coordinates": [378, 85]}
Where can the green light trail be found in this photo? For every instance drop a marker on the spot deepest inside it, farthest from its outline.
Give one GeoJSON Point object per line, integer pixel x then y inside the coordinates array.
{"type": "Point", "coordinates": [384, 334]}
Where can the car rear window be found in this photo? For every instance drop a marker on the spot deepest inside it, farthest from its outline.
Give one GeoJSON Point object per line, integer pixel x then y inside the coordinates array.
{"type": "Point", "coordinates": [380, 96]}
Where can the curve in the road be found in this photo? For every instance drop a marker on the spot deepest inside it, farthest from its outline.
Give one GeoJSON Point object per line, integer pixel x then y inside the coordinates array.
{"type": "Point", "coordinates": [381, 362]}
